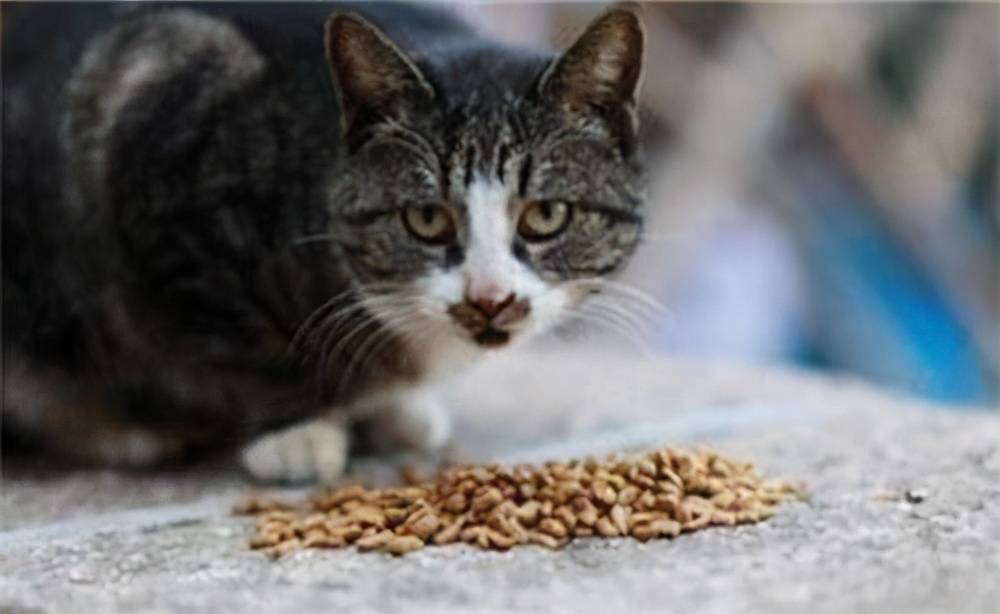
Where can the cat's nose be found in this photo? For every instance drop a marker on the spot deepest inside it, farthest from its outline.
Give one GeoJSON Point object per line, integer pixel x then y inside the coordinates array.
{"type": "Point", "coordinates": [489, 306]}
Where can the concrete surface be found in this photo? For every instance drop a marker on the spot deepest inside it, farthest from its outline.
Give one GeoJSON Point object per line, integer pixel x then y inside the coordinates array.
{"type": "Point", "coordinates": [91, 541]}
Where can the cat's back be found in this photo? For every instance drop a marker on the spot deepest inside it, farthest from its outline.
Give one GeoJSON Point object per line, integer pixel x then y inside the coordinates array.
{"type": "Point", "coordinates": [116, 115]}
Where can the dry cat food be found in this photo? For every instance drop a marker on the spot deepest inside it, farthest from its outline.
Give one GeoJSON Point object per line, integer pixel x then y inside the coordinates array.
{"type": "Point", "coordinates": [653, 495]}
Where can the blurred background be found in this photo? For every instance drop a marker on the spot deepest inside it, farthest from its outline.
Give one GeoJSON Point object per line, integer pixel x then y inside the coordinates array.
{"type": "Point", "coordinates": [830, 195]}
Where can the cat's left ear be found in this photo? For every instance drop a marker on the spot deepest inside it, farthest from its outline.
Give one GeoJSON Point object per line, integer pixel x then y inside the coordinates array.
{"type": "Point", "coordinates": [602, 71]}
{"type": "Point", "coordinates": [373, 77]}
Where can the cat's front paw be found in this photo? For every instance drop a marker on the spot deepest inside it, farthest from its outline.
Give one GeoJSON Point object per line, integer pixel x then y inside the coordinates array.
{"type": "Point", "coordinates": [313, 451]}
{"type": "Point", "coordinates": [417, 421]}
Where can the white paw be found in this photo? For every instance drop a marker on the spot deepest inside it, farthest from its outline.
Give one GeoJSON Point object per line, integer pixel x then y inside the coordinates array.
{"type": "Point", "coordinates": [417, 421]}
{"type": "Point", "coordinates": [312, 451]}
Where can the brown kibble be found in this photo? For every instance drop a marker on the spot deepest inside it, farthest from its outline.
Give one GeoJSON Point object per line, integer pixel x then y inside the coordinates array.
{"type": "Point", "coordinates": [650, 496]}
{"type": "Point", "coordinates": [628, 495]}
{"type": "Point", "coordinates": [456, 503]}
{"type": "Point", "coordinates": [322, 540]}
{"type": "Point", "coordinates": [499, 540]}
{"type": "Point", "coordinates": [339, 496]}
{"type": "Point", "coordinates": [553, 527]}
{"type": "Point", "coordinates": [277, 516]}
{"type": "Point", "coordinates": [348, 533]}
{"type": "Point", "coordinates": [403, 544]}
{"type": "Point", "coordinates": [619, 518]}
{"type": "Point", "coordinates": [666, 472]}
{"type": "Point", "coordinates": [286, 547]}
{"type": "Point", "coordinates": [256, 505]}
{"type": "Point", "coordinates": [586, 512]}
{"type": "Point", "coordinates": [643, 532]}
{"type": "Point", "coordinates": [374, 541]}
{"type": "Point", "coordinates": [666, 528]}
{"type": "Point", "coordinates": [606, 528]}
{"type": "Point", "coordinates": [487, 500]}
{"type": "Point", "coordinates": [604, 493]}
{"type": "Point", "coordinates": [565, 515]}
{"type": "Point", "coordinates": [528, 513]}
{"type": "Point", "coordinates": [368, 515]}
{"type": "Point", "coordinates": [263, 540]}
{"type": "Point", "coordinates": [698, 522]}
{"type": "Point", "coordinates": [424, 527]}
{"type": "Point", "coordinates": [450, 533]}
{"type": "Point", "coordinates": [543, 539]}
{"type": "Point", "coordinates": [546, 509]}
{"type": "Point", "coordinates": [471, 534]}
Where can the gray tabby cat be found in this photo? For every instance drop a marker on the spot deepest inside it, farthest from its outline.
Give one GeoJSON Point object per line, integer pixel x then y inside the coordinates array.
{"type": "Point", "coordinates": [207, 243]}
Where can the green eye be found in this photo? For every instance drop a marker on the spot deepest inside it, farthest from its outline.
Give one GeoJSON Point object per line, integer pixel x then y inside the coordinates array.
{"type": "Point", "coordinates": [429, 223]}
{"type": "Point", "coordinates": [543, 220]}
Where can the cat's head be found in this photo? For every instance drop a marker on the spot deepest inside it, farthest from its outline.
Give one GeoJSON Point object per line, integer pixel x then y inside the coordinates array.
{"type": "Point", "coordinates": [485, 193]}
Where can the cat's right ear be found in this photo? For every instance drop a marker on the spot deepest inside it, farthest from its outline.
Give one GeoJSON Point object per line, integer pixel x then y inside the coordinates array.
{"type": "Point", "coordinates": [374, 79]}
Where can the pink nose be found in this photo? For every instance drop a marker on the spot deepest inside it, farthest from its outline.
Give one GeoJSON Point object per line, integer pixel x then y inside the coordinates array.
{"type": "Point", "coordinates": [488, 306]}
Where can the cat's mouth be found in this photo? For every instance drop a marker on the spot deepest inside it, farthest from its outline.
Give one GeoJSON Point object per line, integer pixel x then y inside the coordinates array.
{"type": "Point", "coordinates": [492, 338]}
{"type": "Point", "coordinates": [489, 330]}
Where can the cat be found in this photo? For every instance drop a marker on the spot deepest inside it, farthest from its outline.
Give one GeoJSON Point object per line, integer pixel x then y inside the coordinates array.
{"type": "Point", "coordinates": [258, 224]}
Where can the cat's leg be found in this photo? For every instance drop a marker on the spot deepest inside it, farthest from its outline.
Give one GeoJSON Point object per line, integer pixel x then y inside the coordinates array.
{"type": "Point", "coordinates": [74, 416]}
{"type": "Point", "coordinates": [308, 451]}
{"type": "Point", "coordinates": [416, 420]}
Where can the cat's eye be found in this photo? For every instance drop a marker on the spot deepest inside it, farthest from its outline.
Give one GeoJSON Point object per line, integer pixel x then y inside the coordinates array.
{"type": "Point", "coordinates": [543, 220]}
{"type": "Point", "coordinates": [429, 223]}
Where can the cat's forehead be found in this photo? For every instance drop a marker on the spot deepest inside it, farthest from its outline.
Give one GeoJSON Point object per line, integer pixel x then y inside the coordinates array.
{"type": "Point", "coordinates": [488, 142]}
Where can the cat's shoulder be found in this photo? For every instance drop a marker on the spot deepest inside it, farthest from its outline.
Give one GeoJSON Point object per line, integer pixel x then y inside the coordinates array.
{"type": "Point", "coordinates": [160, 69]}
{"type": "Point", "coordinates": [140, 52]}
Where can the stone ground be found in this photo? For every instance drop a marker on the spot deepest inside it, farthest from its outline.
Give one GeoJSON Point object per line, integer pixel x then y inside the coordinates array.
{"type": "Point", "coordinates": [93, 541]}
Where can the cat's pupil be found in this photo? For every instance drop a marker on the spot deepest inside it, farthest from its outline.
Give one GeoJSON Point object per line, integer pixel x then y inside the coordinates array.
{"type": "Point", "coordinates": [428, 213]}
{"type": "Point", "coordinates": [546, 210]}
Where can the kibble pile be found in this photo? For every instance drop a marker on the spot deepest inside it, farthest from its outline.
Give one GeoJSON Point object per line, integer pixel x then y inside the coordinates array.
{"type": "Point", "coordinates": [658, 494]}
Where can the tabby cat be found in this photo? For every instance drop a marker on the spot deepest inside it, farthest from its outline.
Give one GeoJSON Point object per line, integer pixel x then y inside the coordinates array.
{"type": "Point", "coordinates": [256, 224]}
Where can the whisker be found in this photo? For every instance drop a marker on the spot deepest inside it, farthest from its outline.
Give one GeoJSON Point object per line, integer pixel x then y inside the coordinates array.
{"type": "Point", "coordinates": [613, 327]}
{"type": "Point", "coordinates": [375, 341]}
{"type": "Point", "coordinates": [322, 238]}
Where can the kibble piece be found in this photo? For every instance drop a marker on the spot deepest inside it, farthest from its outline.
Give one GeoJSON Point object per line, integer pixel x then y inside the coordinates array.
{"type": "Point", "coordinates": [666, 528]}
{"type": "Point", "coordinates": [423, 527]}
{"type": "Point", "coordinates": [499, 540]}
{"type": "Point", "coordinates": [528, 513]}
{"type": "Point", "coordinates": [553, 527]}
{"type": "Point", "coordinates": [403, 544]}
{"type": "Point", "coordinates": [606, 528]}
{"type": "Point", "coordinates": [565, 515]}
{"type": "Point", "coordinates": [487, 500]}
{"type": "Point", "coordinates": [471, 534]}
{"type": "Point", "coordinates": [368, 515]}
{"type": "Point", "coordinates": [375, 541]}
{"type": "Point", "coordinates": [619, 517]}
{"type": "Point", "coordinates": [263, 540]}
{"type": "Point", "coordinates": [543, 539]}
{"type": "Point", "coordinates": [628, 495]}
{"type": "Point", "coordinates": [347, 533]}
{"type": "Point", "coordinates": [340, 496]}
{"type": "Point", "coordinates": [448, 534]}
{"type": "Point", "coordinates": [285, 547]}
{"type": "Point", "coordinates": [643, 532]}
{"type": "Point", "coordinates": [255, 505]}
{"type": "Point", "coordinates": [582, 531]}
{"type": "Point", "coordinates": [456, 503]}
{"type": "Point", "coordinates": [604, 493]}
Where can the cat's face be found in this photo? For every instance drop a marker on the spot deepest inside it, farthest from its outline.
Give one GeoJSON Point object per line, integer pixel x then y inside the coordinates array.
{"type": "Point", "coordinates": [484, 219]}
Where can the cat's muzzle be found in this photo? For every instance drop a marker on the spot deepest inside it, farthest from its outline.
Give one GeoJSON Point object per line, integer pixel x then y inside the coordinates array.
{"type": "Point", "coordinates": [488, 322]}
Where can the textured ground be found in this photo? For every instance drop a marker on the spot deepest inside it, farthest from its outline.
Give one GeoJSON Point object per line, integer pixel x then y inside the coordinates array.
{"type": "Point", "coordinates": [105, 542]}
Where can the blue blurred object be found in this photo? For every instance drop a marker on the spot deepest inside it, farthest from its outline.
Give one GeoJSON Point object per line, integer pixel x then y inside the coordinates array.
{"type": "Point", "coordinates": [875, 312]}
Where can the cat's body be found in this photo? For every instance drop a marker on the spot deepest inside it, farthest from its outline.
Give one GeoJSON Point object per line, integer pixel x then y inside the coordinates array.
{"type": "Point", "coordinates": [198, 247]}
